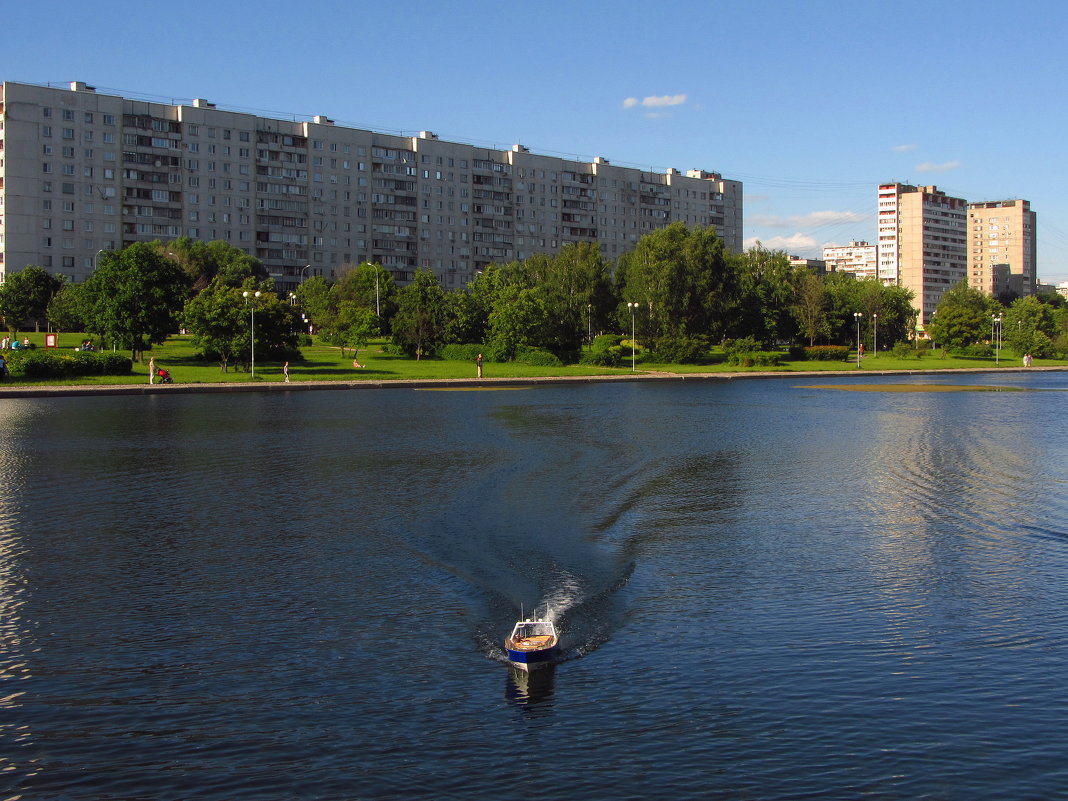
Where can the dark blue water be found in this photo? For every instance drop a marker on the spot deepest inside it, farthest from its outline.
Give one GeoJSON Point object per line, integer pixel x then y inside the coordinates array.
{"type": "Point", "coordinates": [766, 591]}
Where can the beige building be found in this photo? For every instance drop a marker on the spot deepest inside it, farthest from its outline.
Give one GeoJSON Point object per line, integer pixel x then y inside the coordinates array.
{"type": "Point", "coordinates": [83, 172]}
{"type": "Point", "coordinates": [922, 241]}
{"type": "Point", "coordinates": [818, 266]}
{"type": "Point", "coordinates": [1002, 257]}
{"type": "Point", "coordinates": [858, 258]}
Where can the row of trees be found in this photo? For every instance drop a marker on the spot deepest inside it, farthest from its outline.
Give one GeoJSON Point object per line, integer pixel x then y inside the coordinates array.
{"type": "Point", "coordinates": [689, 289]}
{"type": "Point", "coordinates": [680, 288]}
{"type": "Point", "coordinates": [966, 320]}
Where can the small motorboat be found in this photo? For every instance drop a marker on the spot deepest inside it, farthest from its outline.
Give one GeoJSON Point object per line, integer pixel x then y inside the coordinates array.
{"type": "Point", "coordinates": [533, 643]}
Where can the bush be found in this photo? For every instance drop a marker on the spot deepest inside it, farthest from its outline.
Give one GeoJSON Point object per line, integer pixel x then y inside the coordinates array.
{"type": "Point", "coordinates": [759, 358]}
{"type": "Point", "coordinates": [609, 357]}
{"type": "Point", "coordinates": [975, 351]}
{"type": "Point", "coordinates": [462, 353]}
{"type": "Point", "coordinates": [826, 353]}
{"type": "Point", "coordinates": [67, 364]}
{"type": "Point", "coordinates": [679, 350]}
{"type": "Point", "coordinates": [605, 341]}
{"type": "Point", "coordinates": [536, 357]}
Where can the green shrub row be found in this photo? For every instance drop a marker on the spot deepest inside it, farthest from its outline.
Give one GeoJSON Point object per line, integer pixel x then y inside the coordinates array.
{"type": "Point", "coordinates": [67, 364]}
{"type": "Point", "coordinates": [820, 353]}
{"type": "Point", "coordinates": [760, 358]}
{"type": "Point", "coordinates": [903, 350]}
{"type": "Point", "coordinates": [537, 357]}
{"type": "Point", "coordinates": [462, 353]}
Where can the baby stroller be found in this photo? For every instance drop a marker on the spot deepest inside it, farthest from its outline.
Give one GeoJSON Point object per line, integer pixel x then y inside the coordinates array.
{"type": "Point", "coordinates": [164, 376]}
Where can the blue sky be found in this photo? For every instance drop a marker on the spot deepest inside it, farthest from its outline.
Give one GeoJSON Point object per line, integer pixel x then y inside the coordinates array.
{"type": "Point", "coordinates": [811, 104]}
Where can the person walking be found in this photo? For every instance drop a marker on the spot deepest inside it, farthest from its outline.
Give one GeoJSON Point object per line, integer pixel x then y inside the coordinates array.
{"type": "Point", "coordinates": [285, 371]}
{"type": "Point", "coordinates": [3, 368]}
{"type": "Point", "coordinates": [152, 370]}
{"type": "Point", "coordinates": [478, 363]}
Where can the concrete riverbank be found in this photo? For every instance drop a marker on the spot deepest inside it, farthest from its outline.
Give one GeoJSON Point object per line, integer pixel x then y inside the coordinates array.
{"type": "Point", "coordinates": [68, 391]}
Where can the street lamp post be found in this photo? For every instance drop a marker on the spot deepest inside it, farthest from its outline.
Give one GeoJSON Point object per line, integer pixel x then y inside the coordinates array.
{"type": "Point", "coordinates": [589, 325]}
{"type": "Point", "coordinates": [995, 336]}
{"type": "Point", "coordinates": [857, 316]}
{"type": "Point", "coordinates": [874, 335]}
{"type": "Point", "coordinates": [252, 328]}
{"type": "Point", "coordinates": [378, 309]}
{"type": "Point", "coordinates": [633, 344]}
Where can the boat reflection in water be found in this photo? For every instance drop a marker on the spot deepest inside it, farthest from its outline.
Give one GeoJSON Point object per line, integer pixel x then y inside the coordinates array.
{"type": "Point", "coordinates": [530, 687]}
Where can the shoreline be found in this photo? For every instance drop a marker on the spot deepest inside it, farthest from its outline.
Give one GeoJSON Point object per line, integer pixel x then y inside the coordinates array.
{"type": "Point", "coordinates": [473, 383]}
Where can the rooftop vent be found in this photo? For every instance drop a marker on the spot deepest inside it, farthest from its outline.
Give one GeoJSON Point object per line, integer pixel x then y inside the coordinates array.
{"type": "Point", "coordinates": [319, 119]}
{"type": "Point", "coordinates": [78, 86]}
{"type": "Point", "coordinates": [520, 149]}
{"type": "Point", "coordinates": [427, 135]}
{"type": "Point", "coordinates": [200, 102]}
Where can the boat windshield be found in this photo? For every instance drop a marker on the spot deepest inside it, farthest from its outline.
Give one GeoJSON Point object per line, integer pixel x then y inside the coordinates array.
{"type": "Point", "coordinates": [539, 629]}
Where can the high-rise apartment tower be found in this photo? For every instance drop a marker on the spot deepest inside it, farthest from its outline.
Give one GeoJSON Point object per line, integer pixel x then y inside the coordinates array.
{"type": "Point", "coordinates": [922, 240]}
{"type": "Point", "coordinates": [1002, 257]}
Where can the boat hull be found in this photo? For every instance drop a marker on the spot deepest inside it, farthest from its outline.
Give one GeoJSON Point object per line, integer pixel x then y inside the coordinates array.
{"type": "Point", "coordinates": [532, 660]}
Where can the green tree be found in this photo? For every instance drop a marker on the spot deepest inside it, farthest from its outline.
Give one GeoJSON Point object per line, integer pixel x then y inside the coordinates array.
{"type": "Point", "coordinates": [314, 298]}
{"type": "Point", "coordinates": [810, 307]}
{"type": "Point", "coordinates": [26, 294]}
{"type": "Point", "coordinates": [202, 262]}
{"type": "Point", "coordinates": [218, 322]}
{"type": "Point", "coordinates": [1031, 326]}
{"type": "Point", "coordinates": [134, 297]}
{"type": "Point", "coordinates": [64, 311]}
{"type": "Point", "coordinates": [351, 326]}
{"type": "Point", "coordinates": [684, 282]}
{"type": "Point", "coordinates": [962, 318]}
{"type": "Point", "coordinates": [369, 285]}
{"type": "Point", "coordinates": [575, 289]}
{"type": "Point", "coordinates": [766, 292]}
{"type": "Point", "coordinates": [419, 324]}
{"type": "Point", "coordinates": [519, 318]}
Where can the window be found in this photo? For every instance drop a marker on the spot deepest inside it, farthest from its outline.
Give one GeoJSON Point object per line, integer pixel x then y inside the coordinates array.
{"type": "Point", "coordinates": [46, 112]}
{"type": "Point", "coordinates": [46, 130]}
{"type": "Point", "coordinates": [109, 119]}
{"type": "Point", "coordinates": [68, 133]}
{"type": "Point", "coordinates": [68, 114]}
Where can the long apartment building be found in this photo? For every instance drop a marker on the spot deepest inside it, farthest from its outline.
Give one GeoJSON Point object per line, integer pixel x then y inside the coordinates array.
{"type": "Point", "coordinates": [922, 241]}
{"type": "Point", "coordinates": [1002, 257]}
{"type": "Point", "coordinates": [857, 258]}
{"type": "Point", "coordinates": [83, 172]}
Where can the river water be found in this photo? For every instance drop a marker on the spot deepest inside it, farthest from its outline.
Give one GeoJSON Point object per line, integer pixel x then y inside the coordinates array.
{"type": "Point", "coordinates": [767, 589]}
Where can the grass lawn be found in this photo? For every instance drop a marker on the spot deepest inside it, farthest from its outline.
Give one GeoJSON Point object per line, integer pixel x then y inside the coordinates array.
{"type": "Point", "coordinates": [321, 362]}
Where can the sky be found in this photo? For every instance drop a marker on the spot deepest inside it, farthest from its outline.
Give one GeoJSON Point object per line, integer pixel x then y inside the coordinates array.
{"type": "Point", "coordinates": [810, 104]}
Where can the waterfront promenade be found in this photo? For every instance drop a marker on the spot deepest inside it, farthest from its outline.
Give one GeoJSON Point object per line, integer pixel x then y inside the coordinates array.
{"type": "Point", "coordinates": [59, 391]}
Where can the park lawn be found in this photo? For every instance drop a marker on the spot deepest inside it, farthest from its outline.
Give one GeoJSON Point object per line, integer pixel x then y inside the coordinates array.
{"type": "Point", "coordinates": [321, 362]}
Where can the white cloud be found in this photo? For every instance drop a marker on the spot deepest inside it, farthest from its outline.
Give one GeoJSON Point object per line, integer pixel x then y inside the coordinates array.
{"type": "Point", "coordinates": [815, 219]}
{"type": "Point", "coordinates": [928, 166]}
{"type": "Point", "coordinates": [793, 244]}
{"type": "Point", "coordinates": [655, 101]}
{"type": "Point", "coordinates": [664, 100]}
{"type": "Point", "coordinates": [902, 148]}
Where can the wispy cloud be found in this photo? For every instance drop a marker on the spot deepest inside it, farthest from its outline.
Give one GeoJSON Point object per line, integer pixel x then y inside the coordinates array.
{"type": "Point", "coordinates": [792, 244]}
{"type": "Point", "coordinates": [902, 148]}
{"type": "Point", "coordinates": [945, 166]}
{"type": "Point", "coordinates": [815, 219]}
{"type": "Point", "coordinates": [655, 101]}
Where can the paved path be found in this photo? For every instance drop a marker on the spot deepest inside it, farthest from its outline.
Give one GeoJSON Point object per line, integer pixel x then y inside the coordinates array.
{"type": "Point", "coordinates": [302, 386]}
